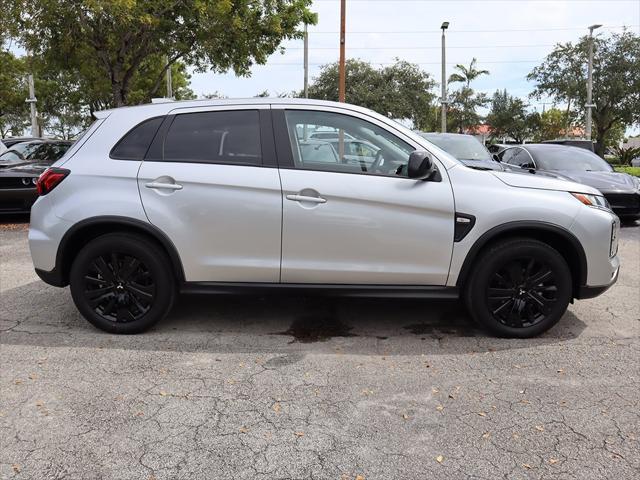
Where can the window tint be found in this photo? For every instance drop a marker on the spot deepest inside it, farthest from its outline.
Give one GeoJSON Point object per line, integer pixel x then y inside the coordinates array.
{"type": "Point", "coordinates": [134, 144]}
{"type": "Point", "coordinates": [365, 148]}
{"type": "Point", "coordinates": [570, 158]}
{"type": "Point", "coordinates": [215, 137]}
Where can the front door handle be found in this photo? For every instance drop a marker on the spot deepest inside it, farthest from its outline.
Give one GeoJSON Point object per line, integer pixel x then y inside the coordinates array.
{"type": "Point", "coordinates": [304, 198]}
{"type": "Point", "coordinates": [167, 186]}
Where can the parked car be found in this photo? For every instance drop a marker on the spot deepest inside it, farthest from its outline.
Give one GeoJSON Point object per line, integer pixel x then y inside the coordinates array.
{"type": "Point", "coordinates": [572, 142]}
{"type": "Point", "coordinates": [621, 190]}
{"type": "Point", "coordinates": [11, 141]}
{"type": "Point", "coordinates": [496, 148]}
{"type": "Point", "coordinates": [20, 167]}
{"type": "Point", "coordinates": [329, 135]}
{"type": "Point", "coordinates": [225, 196]}
{"type": "Point", "coordinates": [465, 148]}
{"type": "Point", "coordinates": [356, 152]}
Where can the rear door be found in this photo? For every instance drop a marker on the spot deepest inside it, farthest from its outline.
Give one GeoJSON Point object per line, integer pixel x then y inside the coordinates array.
{"type": "Point", "coordinates": [363, 222]}
{"type": "Point", "coordinates": [209, 181]}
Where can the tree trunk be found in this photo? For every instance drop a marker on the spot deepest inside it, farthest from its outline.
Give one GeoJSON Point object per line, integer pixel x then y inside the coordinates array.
{"type": "Point", "coordinates": [600, 137]}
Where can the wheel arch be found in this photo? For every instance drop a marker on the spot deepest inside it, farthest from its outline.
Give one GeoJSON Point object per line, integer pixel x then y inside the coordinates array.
{"type": "Point", "coordinates": [555, 236]}
{"type": "Point", "coordinates": [86, 230]}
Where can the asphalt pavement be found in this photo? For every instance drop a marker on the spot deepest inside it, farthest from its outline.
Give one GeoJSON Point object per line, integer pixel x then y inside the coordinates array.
{"type": "Point", "coordinates": [306, 388]}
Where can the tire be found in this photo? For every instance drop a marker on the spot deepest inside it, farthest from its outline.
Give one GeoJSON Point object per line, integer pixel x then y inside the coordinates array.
{"type": "Point", "coordinates": [130, 297]}
{"type": "Point", "coordinates": [519, 288]}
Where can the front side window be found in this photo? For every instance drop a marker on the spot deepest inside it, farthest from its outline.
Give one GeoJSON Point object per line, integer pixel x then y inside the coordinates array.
{"type": "Point", "coordinates": [340, 143]}
{"type": "Point", "coordinates": [215, 137]}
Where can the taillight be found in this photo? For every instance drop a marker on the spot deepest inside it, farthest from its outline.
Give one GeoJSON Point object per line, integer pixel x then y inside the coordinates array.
{"type": "Point", "coordinates": [50, 179]}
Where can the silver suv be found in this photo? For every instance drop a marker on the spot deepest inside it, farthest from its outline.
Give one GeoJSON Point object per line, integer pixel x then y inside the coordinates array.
{"type": "Point", "coordinates": [241, 196]}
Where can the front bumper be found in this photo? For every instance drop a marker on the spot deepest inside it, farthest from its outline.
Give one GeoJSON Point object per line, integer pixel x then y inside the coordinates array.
{"type": "Point", "coordinates": [17, 200]}
{"type": "Point", "coordinates": [586, 291]}
{"type": "Point", "coordinates": [624, 205]}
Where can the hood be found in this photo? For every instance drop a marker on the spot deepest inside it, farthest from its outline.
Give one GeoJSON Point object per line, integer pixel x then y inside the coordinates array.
{"type": "Point", "coordinates": [483, 164]}
{"type": "Point", "coordinates": [542, 182]}
{"type": "Point", "coordinates": [609, 182]}
{"type": "Point", "coordinates": [25, 169]}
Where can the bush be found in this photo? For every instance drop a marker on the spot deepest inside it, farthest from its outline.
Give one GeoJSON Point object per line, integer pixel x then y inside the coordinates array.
{"type": "Point", "coordinates": [625, 155]}
{"type": "Point", "coordinates": [635, 171]}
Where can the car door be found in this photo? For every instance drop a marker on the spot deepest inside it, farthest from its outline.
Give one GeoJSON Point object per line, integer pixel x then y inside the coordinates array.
{"type": "Point", "coordinates": [353, 224]}
{"type": "Point", "coordinates": [209, 181]}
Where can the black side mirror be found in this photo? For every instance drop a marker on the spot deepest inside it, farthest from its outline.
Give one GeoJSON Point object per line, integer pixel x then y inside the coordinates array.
{"type": "Point", "coordinates": [420, 165]}
{"type": "Point", "coordinates": [496, 157]}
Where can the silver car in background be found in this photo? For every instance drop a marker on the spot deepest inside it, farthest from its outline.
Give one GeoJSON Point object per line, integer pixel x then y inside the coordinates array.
{"type": "Point", "coordinates": [222, 196]}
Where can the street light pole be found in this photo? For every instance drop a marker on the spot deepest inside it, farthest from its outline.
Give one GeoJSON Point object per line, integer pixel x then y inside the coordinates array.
{"type": "Point", "coordinates": [306, 62]}
{"type": "Point", "coordinates": [341, 68]}
{"type": "Point", "coordinates": [590, 104]}
{"type": "Point", "coordinates": [443, 99]}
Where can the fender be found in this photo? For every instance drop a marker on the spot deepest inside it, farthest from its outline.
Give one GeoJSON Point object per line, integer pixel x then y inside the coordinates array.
{"type": "Point", "coordinates": [101, 225]}
{"type": "Point", "coordinates": [528, 228]}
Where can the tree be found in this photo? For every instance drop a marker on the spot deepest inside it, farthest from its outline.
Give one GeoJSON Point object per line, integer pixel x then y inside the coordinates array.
{"type": "Point", "coordinates": [508, 117]}
{"type": "Point", "coordinates": [115, 38]}
{"type": "Point", "coordinates": [14, 112]}
{"type": "Point", "coordinates": [553, 124]}
{"type": "Point", "coordinates": [467, 75]}
{"type": "Point", "coordinates": [401, 91]}
{"type": "Point", "coordinates": [465, 102]}
{"type": "Point", "coordinates": [616, 80]}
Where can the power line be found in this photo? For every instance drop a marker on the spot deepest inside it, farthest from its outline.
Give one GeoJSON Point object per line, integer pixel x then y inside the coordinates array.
{"type": "Point", "coordinates": [423, 48]}
{"type": "Point", "coordinates": [416, 63]}
{"type": "Point", "coordinates": [551, 29]}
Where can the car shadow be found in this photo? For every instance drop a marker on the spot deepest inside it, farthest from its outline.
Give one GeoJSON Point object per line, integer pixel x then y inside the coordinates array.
{"type": "Point", "coordinates": [37, 314]}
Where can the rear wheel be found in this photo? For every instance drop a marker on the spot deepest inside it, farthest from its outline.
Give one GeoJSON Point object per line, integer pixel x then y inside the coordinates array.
{"type": "Point", "coordinates": [122, 283]}
{"type": "Point", "coordinates": [519, 288]}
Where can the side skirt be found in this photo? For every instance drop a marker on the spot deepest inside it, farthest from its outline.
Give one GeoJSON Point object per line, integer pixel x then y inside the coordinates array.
{"type": "Point", "coordinates": [370, 291]}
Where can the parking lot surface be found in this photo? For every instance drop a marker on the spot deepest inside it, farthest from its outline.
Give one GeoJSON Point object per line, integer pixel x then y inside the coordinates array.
{"type": "Point", "coordinates": [293, 387]}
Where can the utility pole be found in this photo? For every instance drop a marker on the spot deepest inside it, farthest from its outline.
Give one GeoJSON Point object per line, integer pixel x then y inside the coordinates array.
{"type": "Point", "coordinates": [590, 104]}
{"type": "Point", "coordinates": [35, 131]}
{"type": "Point", "coordinates": [443, 127]}
{"type": "Point", "coordinates": [306, 62]}
{"type": "Point", "coordinates": [341, 83]}
{"type": "Point", "coordinates": [169, 81]}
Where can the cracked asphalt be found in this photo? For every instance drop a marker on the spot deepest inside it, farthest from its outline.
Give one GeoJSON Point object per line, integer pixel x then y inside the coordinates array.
{"type": "Point", "coordinates": [292, 387]}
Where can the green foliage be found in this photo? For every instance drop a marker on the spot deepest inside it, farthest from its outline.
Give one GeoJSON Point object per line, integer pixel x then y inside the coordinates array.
{"type": "Point", "coordinates": [509, 118]}
{"type": "Point", "coordinates": [121, 40]}
{"type": "Point", "coordinates": [553, 125]}
{"type": "Point", "coordinates": [625, 155]}
{"type": "Point", "coordinates": [13, 85]}
{"type": "Point", "coordinates": [462, 111]}
{"type": "Point", "coordinates": [616, 80]}
{"type": "Point", "coordinates": [635, 171]}
{"type": "Point", "coordinates": [401, 91]}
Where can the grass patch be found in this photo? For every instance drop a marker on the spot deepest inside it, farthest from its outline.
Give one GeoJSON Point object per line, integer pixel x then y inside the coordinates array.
{"type": "Point", "coordinates": [635, 171]}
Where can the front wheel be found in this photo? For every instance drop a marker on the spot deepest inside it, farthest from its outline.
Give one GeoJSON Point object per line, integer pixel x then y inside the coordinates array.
{"type": "Point", "coordinates": [122, 283]}
{"type": "Point", "coordinates": [519, 288]}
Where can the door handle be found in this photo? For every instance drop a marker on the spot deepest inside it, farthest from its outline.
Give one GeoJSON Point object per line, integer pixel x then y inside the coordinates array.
{"type": "Point", "coordinates": [304, 198]}
{"type": "Point", "coordinates": [168, 186]}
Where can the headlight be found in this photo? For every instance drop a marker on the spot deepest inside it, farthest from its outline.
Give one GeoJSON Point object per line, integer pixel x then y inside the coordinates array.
{"type": "Point", "coordinates": [596, 201]}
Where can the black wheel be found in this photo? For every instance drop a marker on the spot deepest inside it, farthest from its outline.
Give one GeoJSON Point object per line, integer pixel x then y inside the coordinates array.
{"type": "Point", "coordinates": [122, 283]}
{"type": "Point", "coordinates": [519, 288]}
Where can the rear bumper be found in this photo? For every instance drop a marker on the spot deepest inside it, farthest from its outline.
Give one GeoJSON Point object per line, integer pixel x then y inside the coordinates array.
{"type": "Point", "coordinates": [54, 277]}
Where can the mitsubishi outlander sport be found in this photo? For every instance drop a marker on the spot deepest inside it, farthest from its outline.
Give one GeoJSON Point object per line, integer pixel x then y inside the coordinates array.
{"type": "Point", "coordinates": [230, 196]}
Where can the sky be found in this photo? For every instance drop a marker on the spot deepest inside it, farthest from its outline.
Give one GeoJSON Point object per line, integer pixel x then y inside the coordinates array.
{"type": "Point", "coordinates": [508, 38]}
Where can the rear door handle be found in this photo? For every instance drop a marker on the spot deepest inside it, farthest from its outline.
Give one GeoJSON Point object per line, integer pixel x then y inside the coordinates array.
{"type": "Point", "coordinates": [304, 198]}
{"type": "Point", "coordinates": [167, 186]}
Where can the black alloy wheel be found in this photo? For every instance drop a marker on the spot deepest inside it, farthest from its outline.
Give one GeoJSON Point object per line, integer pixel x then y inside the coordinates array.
{"type": "Point", "coordinates": [119, 287]}
{"type": "Point", "coordinates": [518, 288]}
{"type": "Point", "coordinates": [522, 292]}
{"type": "Point", "coordinates": [122, 283]}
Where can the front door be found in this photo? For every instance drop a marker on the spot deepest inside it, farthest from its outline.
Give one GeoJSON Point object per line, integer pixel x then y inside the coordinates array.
{"type": "Point", "coordinates": [358, 220]}
{"type": "Point", "coordinates": [210, 188]}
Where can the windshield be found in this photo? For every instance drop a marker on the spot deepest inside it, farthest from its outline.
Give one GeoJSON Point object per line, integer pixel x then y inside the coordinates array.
{"type": "Point", "coordinates": [462, 147]}
{"type": "Point", "coordinates": [570, 158]}
{"type": "Point", "coordinates": [34, 152]}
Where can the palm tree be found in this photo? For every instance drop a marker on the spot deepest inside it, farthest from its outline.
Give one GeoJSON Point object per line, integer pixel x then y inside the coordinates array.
{"type": "Point", "coordinates": [467, 75]}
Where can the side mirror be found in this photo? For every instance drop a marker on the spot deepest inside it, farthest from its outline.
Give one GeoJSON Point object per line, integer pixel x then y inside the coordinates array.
{"type": "Point", "coordinates": [420, 165]}
{"type": "Point", "coordinates": [496, 157]}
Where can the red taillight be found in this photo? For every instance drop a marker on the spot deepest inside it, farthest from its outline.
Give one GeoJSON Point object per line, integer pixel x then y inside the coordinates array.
{"type": "Point", "coordinates": [50, 179]}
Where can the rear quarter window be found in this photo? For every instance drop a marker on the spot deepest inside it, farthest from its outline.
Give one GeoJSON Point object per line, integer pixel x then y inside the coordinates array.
{"type": "Point", "coordinates": [134, 145]}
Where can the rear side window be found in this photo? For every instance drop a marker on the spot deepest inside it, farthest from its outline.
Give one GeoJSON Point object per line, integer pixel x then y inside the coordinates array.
{"type": "Point", "coordinates": [135, 143]}
{"type": "Point", "coordinates": [231, 137]}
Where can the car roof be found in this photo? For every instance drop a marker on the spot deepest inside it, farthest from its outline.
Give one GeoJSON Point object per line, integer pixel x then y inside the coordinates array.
{"type": "Point", "coordinates": [165, 107]}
